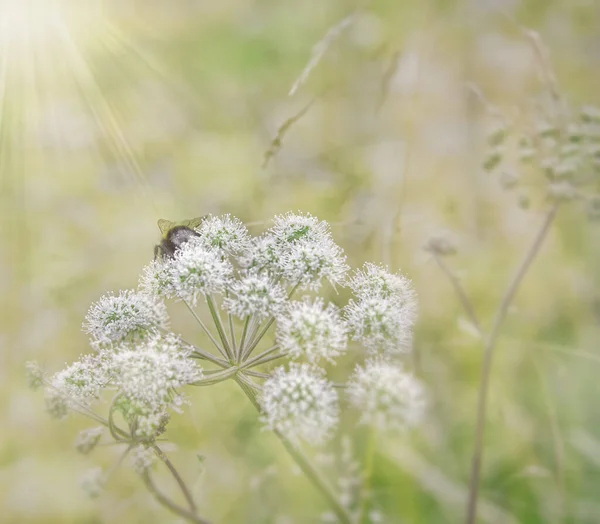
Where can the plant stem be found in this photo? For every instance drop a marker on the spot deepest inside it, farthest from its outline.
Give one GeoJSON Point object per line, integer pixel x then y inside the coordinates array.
{"type": "Point", "coordinates": [259, 359]}
{"type": "Point", "coordinates": [243, 340]}
{"type": "Point", "coordinates": [199, 320]}
{"type": "Point", "coordinates": [487, 362]}
{"type": "Point", "coordinates": [168, 503]}
{"type": "Point", "coordinates": [303, 462]}
{"type": "Point", "coordinates": [220, 328]}
{"type": "Point", "coordinates": [211, 358]}
{"type": "Point", "coordinates": [184, 489]}
{"type": "Point", "coordinates": [462, 295]}
{"type": "Point", "coordinates": [366, 495]}
{"type": "Point", "coordinates": [215, 378]}
{"type": "Point", "coordinates": [248, 351]}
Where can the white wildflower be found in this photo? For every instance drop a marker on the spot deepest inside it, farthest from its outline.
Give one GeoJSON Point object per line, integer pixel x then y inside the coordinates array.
{"type": "Point", "coordinates": [92, 482]}
{"type": "Point", "coordinates": [309, 262]}
{"type": "Point", "coordinates": [376, 281]}
{"type": "Point", "coordinates": [148, 378]}
{"type": "Point", "coordinates": [255, 294]}
{"type": "Point", "coordinates": [300, 249]}
{"type": "Point", "coordinates": [156, 279]}
{"type": "Point", "coordinates": [386, 396]}
{"type": "Point", "coordinates": [35, 374]}
{"type": "Point", "coordinates": [142, 459]}
{"type": "Point", "coordinates": [383, 315]}
{"type": "Point", "coordinates": [226, 233]}
{"type": "Point", "coordinates": [88, 439]}
{"type": "Point", "coordinates": [198, 270]}
{"type": "Point", "coordinates": [77, 385]}
{"type": "Point", "coordinates": [306, 250]}
{"type": "Point", "coordinates": [313, 330]}
{"type": "Point", "coordinates": [263, 253]}
{"type": "Point", "coordinates": [129, 314]}
{"type": "Point", "coordinates": [301, 403]}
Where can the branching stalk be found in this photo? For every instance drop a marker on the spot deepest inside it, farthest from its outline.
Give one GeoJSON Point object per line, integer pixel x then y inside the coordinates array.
{"type": "Point", "coordinates": [206, 330]}
{"type": "Point", "coordinates": [219, 324]}
{"type": "Point", "coordinates": [490, 345]}
{"type": "Point", "coordinates": [303, 462]}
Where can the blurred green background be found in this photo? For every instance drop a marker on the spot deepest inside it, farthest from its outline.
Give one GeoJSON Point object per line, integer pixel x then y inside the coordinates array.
{"type": "Point", "coordinates": [118, 113]}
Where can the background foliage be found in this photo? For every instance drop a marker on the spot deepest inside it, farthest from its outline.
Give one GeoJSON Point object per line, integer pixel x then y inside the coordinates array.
{"type": "Point", "coordinates": [116, 114]}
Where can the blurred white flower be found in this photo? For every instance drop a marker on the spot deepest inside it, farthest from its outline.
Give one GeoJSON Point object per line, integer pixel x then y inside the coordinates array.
{"type": "Point", "coordinates": [385, 309]}
{"type": "Point", "coordinates": [148, 378]}
{"type": "Point", "coordinates": [198, 270]}
{"type": "Point", "coordinates": [35, 374]}
{"type": "Point", "coordinates": [226, 233]}
{"type": "Point", "coordinates": [88, 439]}
{"type": "Point", "coordinates": [311, 329]}
{"type": "Point", "coordinates": [386, 396]}
{"type": "Point", "coordinates": [142, 459]}
{"type": "Point", "coordinates": [301, 403]}
{"type": "Point", "coordinates": [92, 482]}
{"type": "Point", "coordinates": [77, 385]}
{"type": "Point", "coordinates": [129, 314]}
{"type": "Point", "coordinates": [255, 294]}
{"type": "Point", "coordinates": [374, 280]}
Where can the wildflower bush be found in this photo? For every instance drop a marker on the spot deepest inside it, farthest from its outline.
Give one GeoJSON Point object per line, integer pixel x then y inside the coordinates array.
{"type": "Point", "coordinates": [270, 333]}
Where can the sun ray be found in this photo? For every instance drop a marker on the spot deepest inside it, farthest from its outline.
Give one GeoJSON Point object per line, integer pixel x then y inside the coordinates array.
{"type": "Point", "coordinates": [103, 112]}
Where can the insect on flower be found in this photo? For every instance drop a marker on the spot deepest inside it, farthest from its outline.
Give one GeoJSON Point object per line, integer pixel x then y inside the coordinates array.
{"type": "Point", "coordinates": [174, 234]}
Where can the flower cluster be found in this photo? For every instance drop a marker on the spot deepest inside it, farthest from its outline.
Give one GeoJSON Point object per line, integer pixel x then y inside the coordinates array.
{"type": "Point", "coordinates": [565, 149]}
{"type": "Point", "coordinates": [300, 249]}
{"type": "Point", "coordinates": [256, 283]}
{"type": "Point", "coordinates": [313, 330]}
{"type": "Point", "coordinates": [115, 318]}
{"type": "Point", "coordinates": [144, 378]}
{"type": "Point", "coordinates": [301, 403]}
{"type": "Point", "coordinates": [386, 396]}
{"type": "Point", "coordinates": [255, 294]}
{"type": "Point", "coordinates": [384, 311]}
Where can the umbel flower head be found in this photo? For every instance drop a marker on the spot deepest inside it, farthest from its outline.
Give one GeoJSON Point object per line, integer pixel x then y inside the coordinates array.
{"type": "Point", "coordinates": [77, 385]}
{"type": "Point", "coordinates": [255, 294]}
{"type": "Point", "coordinates": [147, 378]}
{"type": "Point", "coordinates": [312, 330]}
{"type": "Point", "coordinates": [384, 311]}
{"type": "Point", "coordinates": [225, 233]}
{"type": "Point", "coordinates": [300, 249]}
{"type": "Point", "coordinates": [387, 397]}
{"type": "Point", "coordinates": [128, 315]}
{"type": "Point", "coordinates": [301, 403]}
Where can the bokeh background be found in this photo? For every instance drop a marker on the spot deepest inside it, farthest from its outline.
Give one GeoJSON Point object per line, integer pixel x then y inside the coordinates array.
{"type": "Point", "coordinates": [114, 114]}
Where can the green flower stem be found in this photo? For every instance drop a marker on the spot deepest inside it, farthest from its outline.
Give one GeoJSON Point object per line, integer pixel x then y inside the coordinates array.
{"type": "Point", "coordinates": [184, 489]}
{"type": "Point", "coordinates": [363, 515]}
{"type": "Point", "coordinates": [248, 351]}
{"type": "Point", "coordinates": [218, 376]}
{"type": "Point", "coordinates": [202, 355]}
{"type": "Point", "coordinates": [488, 354]}
{"type": "Point", "coordinates": [198, 352]}
{"type": "Point", "coordinates": [302, 460]}
{"type": "Point", "coordinates": [257, 374]}
{"type": "Point", "coordinates": [263, 358]}
{"type": "Point", "coordinates": [168, 503]}
{"type": "Point", "coordinates": [232, 331]}
{"type": "Point", "coordinates": [243, 340]}
{"type": "Point", "coordinates": [220, 328]}
{"type": "Point", "coordinates": [199, 320]}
